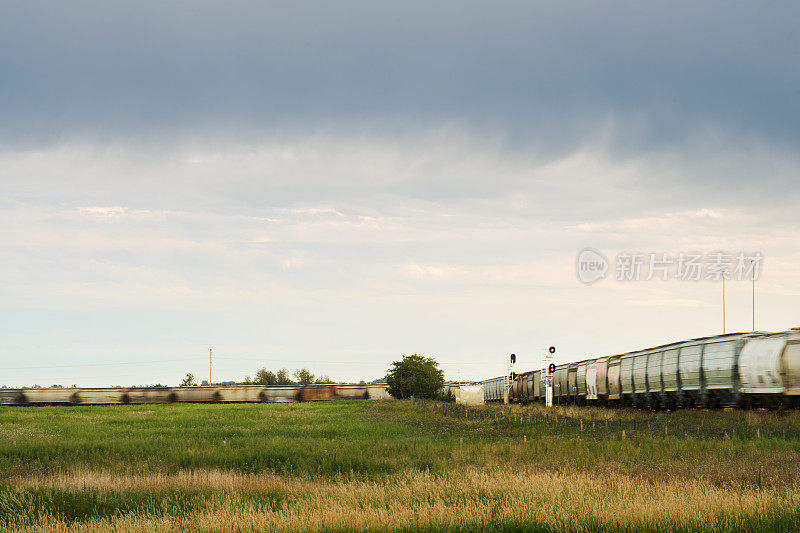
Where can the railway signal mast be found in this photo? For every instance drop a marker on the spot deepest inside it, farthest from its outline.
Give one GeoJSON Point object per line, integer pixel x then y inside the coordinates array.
{"type": "Point", "coordinates": [510, 375]}
{"type": "Point", "coordinates": [548, 369]}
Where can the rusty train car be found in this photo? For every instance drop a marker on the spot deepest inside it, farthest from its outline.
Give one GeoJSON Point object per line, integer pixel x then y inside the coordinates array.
{"type": "Point", "coordinates": [153, 395]}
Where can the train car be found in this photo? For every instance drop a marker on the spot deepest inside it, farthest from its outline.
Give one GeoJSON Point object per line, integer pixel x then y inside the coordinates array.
{"type": "Point", "coordinates": [10, 396]}
{"type": "Point", "coordinates": [529, 392]}
{"type": "Point", "coordinates": [494, 389]}
{"type": "Point", "coordinates": [244, 393]}
{"type": "Point", "coordinates": [48, 396]}
{"type": "Point", "coordinates": [378, 392]}
{"type": "Point", "coordinates": [769, 370]}
{"type": "Point", "coordinates": [561, 384]}
{"type": "Point", "coordinates": [100, 396]}
{"type": "Point", "coordinates": [316, 393]}
{"type": "Point", "coordinates": [613, 380]}
{"type": "Point", "coordinates": [520, 387]}
{"type": "Point", "coordinates": [654, 379]}
{"type": "Point", "coordinates": [640, 379]}
{"type": "Point", "coordinates": [502, 388]}
{"type": "Point", "coordinates": [719, 362]}
{"type": "Point", "coordinates": [601, 379]}
{"type": "Point", "coordinates": [627, 392]}
{"type": "Point", "coordinates": [515, 388]}
{"type": "Point", "coordinates": [591, 382]}
{"type": "Point", "coordinates": [572, 382]}
{"type": "Point", "coordinates": [512, 392]}
{"type": "Point", "coordinates": [790, 369]}
{"type": "Point", "coordinates": [348, 392]}
{"type": "Point", "coordinates": [690, 358]}
{"type": "Point", "coordinates": [538, 386]}
{"type": "Point", "coordinates": [278, 394]}
{"type": "Point", "coordinates": [196, 394]}
{"type": "Point", "coordinates": [580, 384]}
{"type": "Point", "coordinates": [142, 395]}
{"type": "Point", "coordinates": [670, 378]}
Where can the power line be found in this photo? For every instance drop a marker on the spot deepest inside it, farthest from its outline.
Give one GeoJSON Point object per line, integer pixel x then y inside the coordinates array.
{"type": "Point", "coordinates": [339, 361]}
{"type": "Point", "coordinates": [75, 365]}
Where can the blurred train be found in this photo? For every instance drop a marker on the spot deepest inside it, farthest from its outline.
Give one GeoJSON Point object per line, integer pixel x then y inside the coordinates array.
{"type": "Point", "coordinates": [732, 370]}
{"type": "Point", "coordinates": [147, 395]}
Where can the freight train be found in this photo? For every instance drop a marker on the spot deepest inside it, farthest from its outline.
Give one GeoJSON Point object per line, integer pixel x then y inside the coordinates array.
{"type": "Point", "coordinates": [732, 370]}
{"type": "Point", "coordinates": [147, 395]}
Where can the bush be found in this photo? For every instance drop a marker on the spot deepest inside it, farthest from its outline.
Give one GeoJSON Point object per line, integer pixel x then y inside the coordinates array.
{"type": "Point", "coordinates": [304, 376]}
{"type": "Point", "coordinates": [416, 376]}
{"type": "Point", "coordinates": [266, 377]}
{"type": "Point", "coordinates": [282, 377]}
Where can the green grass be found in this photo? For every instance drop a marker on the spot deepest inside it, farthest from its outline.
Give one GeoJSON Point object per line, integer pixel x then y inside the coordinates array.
{"type": "Point", "coordinates": [316, 439]}
{"type": "Point", "coordinates": [282, 466]}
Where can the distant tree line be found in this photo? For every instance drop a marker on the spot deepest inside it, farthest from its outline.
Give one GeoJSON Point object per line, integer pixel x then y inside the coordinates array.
{"type": "Point", "coordinates": [281, 377]}
{"type": "Point", "coordinates": [266, 377]}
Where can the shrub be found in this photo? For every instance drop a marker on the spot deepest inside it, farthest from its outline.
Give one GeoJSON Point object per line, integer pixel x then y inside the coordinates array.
{"type": "Point", "coordinates": [415, 375]}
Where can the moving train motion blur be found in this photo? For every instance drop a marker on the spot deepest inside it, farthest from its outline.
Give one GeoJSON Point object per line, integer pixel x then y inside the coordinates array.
{"type": "Point", "coordinates": [731, 370]}
{"type": "Point", "coordinates": [216, 394]}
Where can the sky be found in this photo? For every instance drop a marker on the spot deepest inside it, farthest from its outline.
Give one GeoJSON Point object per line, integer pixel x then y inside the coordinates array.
{"type": "Point", "coordinates": [334, 185]}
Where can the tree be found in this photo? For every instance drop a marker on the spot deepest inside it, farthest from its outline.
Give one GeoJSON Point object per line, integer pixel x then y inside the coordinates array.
{"type": "Point", "coordinates": [188, 381]}
{"type": "Point", "coordinates": [282, 377]}
{"type": "Point", "coordinates": [323, 380]}
{"type": "Point", "coordinates": [415, 375]}
{"type": "Point", "coordinates": [304, 376]}
{"type": "Point", "coordinates": [266, 377]}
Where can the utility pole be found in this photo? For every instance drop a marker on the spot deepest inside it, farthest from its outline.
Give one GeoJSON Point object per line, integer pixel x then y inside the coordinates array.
{"type": "Point", "coordinates": [754, 295]}
{"type": "Point", "coordinates": [754, 304]}
{"type": "Point", "coordinates": [723, 304]}
{"type": "Point", "coordinates": [209, 365]}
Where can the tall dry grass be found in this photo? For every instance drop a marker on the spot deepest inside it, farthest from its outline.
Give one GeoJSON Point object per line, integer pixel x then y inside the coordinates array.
{"type": "Point", "coordinates": [474, 499]}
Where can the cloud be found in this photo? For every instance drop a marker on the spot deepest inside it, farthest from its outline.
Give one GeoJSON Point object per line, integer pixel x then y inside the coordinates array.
{"type": "Point", "coordinates": [464, 247]}
{"type": "Point", "coordinates": [106, 212]}
{"type": "Point", "coordinates": [427, 272]}
{"type": "Point", "coordinates": [547, 76]}
{"type": "Point", "coordinates": [115, 212]}
{"type": "Point", "coordinates": [293, 262]}
{"type": "Point", "coordinates": [351, 180]}
{"type": "Point", "coordinates": [317, 211]}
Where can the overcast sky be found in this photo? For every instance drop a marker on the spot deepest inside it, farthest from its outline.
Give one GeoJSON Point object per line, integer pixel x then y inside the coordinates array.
{"type": "Point", "coordinates": [336, 184]}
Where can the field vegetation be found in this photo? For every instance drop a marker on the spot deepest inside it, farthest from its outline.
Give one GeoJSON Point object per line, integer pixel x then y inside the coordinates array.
{"type": "Point", "coordinates": [394, 465]}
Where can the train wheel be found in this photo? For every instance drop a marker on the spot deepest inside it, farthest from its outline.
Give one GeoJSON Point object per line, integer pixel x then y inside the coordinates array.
{"type": "Point", "coordinates": [655, 403]}
{"type": "Point", "coordinates": [705, 401]}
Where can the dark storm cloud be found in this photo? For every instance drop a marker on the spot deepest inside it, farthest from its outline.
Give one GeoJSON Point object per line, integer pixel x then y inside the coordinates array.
{"type": "Point", "coordinates": [654, 73]}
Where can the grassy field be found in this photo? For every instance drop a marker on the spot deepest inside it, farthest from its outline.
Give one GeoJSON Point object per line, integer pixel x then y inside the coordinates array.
{"type": "Point", "coordinates": [378, 465]}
